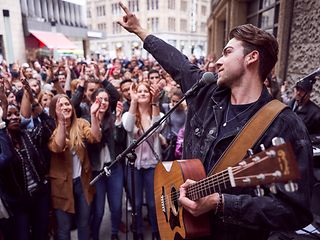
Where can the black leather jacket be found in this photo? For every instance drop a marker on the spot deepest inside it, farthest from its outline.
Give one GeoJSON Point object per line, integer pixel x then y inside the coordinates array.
{"type": "Point", "coordinates": [245, 216]}
{"type": "Point", "coordinates": [310, 115]}
{"type": "Point", "coordinates": [13, 179]}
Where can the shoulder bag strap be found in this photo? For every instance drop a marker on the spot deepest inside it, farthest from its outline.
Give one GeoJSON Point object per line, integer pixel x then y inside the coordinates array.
{"type": "Point", "coordinates": [249, 135]}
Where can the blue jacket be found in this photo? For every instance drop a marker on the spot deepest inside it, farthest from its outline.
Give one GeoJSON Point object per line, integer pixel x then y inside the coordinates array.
{"type": "Point", "coordinates": [245, 216]}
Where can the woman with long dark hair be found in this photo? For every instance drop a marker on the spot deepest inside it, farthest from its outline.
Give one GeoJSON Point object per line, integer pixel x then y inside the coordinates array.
{"type": "Point", "coordinates": [102, 154]}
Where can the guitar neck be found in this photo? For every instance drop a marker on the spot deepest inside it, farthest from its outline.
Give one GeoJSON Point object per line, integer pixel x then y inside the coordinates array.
{"type": "Point", "coordinates": [209, 185]}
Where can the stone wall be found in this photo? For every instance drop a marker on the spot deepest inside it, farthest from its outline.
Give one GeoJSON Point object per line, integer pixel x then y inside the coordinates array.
{"type": "Point", "coordinates": [304, 49]}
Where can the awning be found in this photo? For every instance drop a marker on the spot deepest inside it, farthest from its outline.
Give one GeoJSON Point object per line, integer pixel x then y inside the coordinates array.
{"type": "Point", "coordinates": [53, 40]}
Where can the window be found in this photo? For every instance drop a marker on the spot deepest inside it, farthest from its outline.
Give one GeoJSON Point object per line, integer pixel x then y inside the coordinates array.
{"type": "Point", "coordinates": [264, 14]}
{"type": "Point", "coordinates": [89, 13]}
{"type": "Point", "coordinates": [115, 9]}
{"type": "Point", "coordinates": [171, 24]}
{"type": "Point", "coordinates": [184, 5]}
{"type": "Point", "coordinates": [133, 5]}
{"type": "Point", "coordinates": [102, 27]}
{"type": "Point", "coordinates": [152, 4]}
{"type": "Point", "coordinates": [203, 10]}
{"type": "Point", "coordinates": [101, 11]}
{"type": "Point", "coordinates": [172, 4]}
{"type": "Point", "coordinates": [153, 24]}
{"type": "Point", "coordinates": [203, 27]}
{"type": "Point", "coordinates": [183, 25]}
{"type": "Point", "coordinates": [116, 28]}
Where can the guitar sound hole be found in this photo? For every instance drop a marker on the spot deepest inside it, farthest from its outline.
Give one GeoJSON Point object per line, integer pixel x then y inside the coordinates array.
{"type": "Point", "coordinates": [174, 201]}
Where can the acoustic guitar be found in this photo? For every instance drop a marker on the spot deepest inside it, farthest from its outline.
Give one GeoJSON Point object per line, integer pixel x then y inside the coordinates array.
{"type": "Point", "coordinates": [276, 164]}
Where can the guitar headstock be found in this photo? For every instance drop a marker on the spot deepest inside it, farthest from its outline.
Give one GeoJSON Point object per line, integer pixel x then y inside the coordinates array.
{"type": "Point", "coordinates": [272, 165]}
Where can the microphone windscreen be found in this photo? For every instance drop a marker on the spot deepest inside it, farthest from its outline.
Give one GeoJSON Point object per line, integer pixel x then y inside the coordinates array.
{"type": "Point", "coordinates": [208, 77]}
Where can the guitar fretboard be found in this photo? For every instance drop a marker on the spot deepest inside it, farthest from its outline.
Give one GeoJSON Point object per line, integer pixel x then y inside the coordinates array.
{"type": "Point", "coordinates": [214, 183]}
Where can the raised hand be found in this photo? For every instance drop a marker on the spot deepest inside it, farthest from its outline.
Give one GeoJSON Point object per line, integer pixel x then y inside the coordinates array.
{"type": "Point", "coordinates": [155, 93]}
{"type": "Point", "coordinates": [119, 110]}
{"type": "Point", "coordinates": [60, 117]}
{"type": "Point", "coordinates": [133, 92]}
{"type": "Point", "coordinates": [82, 76]}
{"type": "Point", "coordinates": [131, 23]}
{"type": "Point", "coordinates": [94, 109]}
{"type": "Point", "coordinates": [27, 89]}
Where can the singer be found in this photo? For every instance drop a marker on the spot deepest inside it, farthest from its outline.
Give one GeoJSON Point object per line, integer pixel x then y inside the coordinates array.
{"type": "Point", "coordinates": [215, 116]}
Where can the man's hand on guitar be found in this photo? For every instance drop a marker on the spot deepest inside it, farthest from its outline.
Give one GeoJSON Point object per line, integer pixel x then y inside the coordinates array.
{"type": "Point", "coordinates": [202, 205]}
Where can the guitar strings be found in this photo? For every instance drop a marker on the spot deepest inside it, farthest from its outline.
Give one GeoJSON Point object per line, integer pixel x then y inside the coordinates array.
{"type": "Point", "coordinates": [219, 178]}
{"type": "Point", "coordinates": [196, 189]}
{"type": "Point", "coordinates": [203, 185]}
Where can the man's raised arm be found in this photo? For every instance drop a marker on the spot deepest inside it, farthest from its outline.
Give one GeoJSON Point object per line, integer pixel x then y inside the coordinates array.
{"type": "Point", "coordinates": [131, 23]}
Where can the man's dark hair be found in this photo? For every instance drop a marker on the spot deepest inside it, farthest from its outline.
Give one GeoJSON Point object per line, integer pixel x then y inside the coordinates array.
{"type": "Point", "coordinates": [125, 81]}
{"type": "Point", "coordinates": [254, 38]}
{"type": "Point", "coordinates": [153, 71]}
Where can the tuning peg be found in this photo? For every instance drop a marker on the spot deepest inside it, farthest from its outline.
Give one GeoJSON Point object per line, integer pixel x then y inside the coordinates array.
{"type": "Point", "coordinates": [276, 141]}
{"type": "Point", "coordinates": [242, 163]}
{"type": "Point", "coordinates": [271, 153]}
{"type": "Point", "coordinates": [273, 188]}
{"type": "Point", "coordinates": [250, 152]}
{"type": "Point", "coordinates": [291, 186]}
{"type": "Point", "coordinates": [259, 191]}
{"type": "Point", "coordinates": [262, 147]}
{"type": "Point", "coordinates": [277, 174]}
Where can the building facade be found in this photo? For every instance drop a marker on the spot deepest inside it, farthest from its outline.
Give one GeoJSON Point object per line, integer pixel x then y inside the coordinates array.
{"type": "Point", "coordinates": [55, 26]}
{"type": "Point", "coordinates": [12, 45]}
{"type": "Point", "coordinates": [295, 23]}
{"type": "Point", "coordinates": [182, 23]}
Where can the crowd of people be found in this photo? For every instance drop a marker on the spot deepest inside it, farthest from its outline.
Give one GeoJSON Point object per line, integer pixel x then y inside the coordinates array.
{"type": "Point", "coordinates": [62, 122]}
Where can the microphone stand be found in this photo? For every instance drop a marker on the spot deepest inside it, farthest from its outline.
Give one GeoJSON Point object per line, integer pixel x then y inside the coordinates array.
{"type": "Point", "coordinates": [129, 153]}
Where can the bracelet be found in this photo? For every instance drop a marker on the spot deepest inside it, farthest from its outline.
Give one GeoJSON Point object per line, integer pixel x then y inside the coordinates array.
{"type": "Point", "coordinates": [219, 205]}
{"type": "Point", "coordinates": [155, 104]}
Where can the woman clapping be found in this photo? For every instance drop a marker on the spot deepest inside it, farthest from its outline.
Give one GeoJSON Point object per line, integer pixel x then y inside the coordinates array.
{"type": "Point", "coordinates": [70, 169]}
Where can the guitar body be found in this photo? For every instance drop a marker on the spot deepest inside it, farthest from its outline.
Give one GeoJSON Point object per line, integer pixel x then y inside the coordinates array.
{"type": "Point", "coordinates": [173, 221]}
{"type": "Point", "coordinates": [272, 165]}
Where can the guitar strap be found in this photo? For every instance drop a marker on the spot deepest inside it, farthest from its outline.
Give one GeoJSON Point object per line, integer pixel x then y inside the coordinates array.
{"type": "Point", "coordinates": [248, 136]}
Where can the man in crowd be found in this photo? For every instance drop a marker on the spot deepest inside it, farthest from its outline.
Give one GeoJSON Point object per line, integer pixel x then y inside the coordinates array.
{"type": "Point", "coordinates": [216, 115]}
{"type": "Point", "coordinates": [304, 107]}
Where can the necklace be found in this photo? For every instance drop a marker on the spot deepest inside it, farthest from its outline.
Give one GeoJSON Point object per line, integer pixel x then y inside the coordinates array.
{"type": "Point", "coordinates": [229, 120]}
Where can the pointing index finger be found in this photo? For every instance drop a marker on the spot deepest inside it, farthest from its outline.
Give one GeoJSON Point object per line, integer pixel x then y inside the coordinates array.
{"type": "Point", "coordinates": [125, 9]}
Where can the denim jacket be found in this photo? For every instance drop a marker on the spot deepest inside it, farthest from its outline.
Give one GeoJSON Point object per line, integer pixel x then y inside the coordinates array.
{"type": "Point", "coordinates": [245, 216]}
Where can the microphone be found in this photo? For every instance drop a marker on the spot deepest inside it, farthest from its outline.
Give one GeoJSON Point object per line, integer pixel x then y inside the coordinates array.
{"type": "Point", "coordinates": [311, 76]}
{"type": "Point", "coordinates": [207, 78]}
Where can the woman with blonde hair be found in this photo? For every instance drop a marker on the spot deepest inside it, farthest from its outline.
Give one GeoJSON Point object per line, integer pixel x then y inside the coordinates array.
{"type": "Point", "coordinates": [143, 112]}
{"type": "Point", "coordinates": [44, 99]}
{"type": "Point", "coordinates": [70, 169]}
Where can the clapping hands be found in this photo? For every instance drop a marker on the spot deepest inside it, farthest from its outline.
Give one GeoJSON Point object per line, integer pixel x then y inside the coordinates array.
{"type": "Point", "coordinates": [94, 109]}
